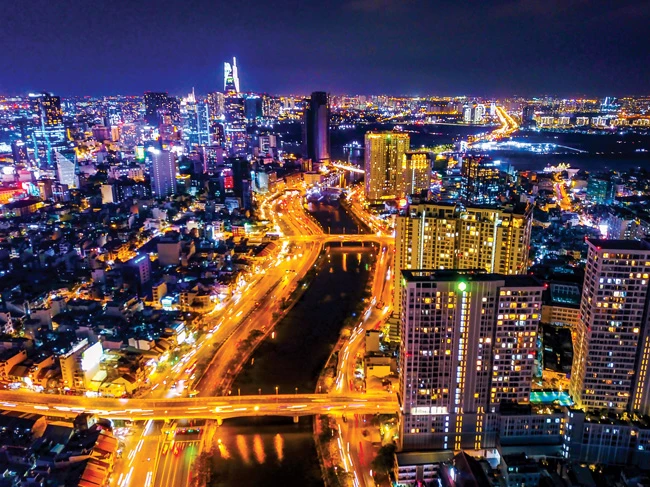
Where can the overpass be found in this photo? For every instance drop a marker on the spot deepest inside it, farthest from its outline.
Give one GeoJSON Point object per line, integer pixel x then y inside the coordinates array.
{"type": "Point", "coordinates": [215, 408]}
{"type": "Point", "coordinates": [326, 238]}
{"type": "Point", "coordinates": [348, 167]}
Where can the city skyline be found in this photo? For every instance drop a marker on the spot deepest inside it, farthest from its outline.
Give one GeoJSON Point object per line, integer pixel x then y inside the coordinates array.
{"type": "Point", "coordinates": [323, 289]}
{"type": "Point", "coordinates": [492, 48]}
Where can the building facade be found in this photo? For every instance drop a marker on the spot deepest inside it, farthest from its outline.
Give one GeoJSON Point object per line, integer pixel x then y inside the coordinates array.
{"type": "Point", "coordinates": [163, 173]}
{"type": "Point", "coordinates": [316, 136]}
{"type": "Point", "coordinates": [612, 341]}
{"type": "Point", "coordinates": [468, 344]}
{"type": "Point", "coordinates": [416, 172]}
{"type": "Point", "coordinates": [448, 236]}
{"type": "Point", "coordinates": [384, 155]}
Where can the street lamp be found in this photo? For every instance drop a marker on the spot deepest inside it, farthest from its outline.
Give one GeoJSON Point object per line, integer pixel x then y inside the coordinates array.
{"type": "Point", "coordinates": [276, 390]}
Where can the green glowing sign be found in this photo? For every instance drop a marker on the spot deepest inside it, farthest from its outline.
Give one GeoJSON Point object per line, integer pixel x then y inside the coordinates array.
{"type": "Point", "coordinates": [462, 286]}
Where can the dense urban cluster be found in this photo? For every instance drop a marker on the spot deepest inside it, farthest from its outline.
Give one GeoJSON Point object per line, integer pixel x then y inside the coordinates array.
{"type": "Point", "coordinates": [148, 244]}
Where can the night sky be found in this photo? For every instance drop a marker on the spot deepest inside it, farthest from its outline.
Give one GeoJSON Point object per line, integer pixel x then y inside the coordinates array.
{"type": "Point", "coordinates": [409, 47]}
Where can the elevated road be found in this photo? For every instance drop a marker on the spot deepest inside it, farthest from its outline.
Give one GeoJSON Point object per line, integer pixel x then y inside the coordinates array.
{"type": "Point", "coordinates": [345, 238]}
{"type": "Point", "coordinates": [218, 408]}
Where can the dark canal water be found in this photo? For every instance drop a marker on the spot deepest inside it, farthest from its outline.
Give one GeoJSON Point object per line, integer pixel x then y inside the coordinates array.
{"type": "Point", "coordinates": [275, 451]}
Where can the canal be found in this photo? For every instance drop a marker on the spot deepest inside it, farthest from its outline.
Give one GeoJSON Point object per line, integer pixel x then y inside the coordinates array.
{"type": "Point", "coordinates": [275, 451]}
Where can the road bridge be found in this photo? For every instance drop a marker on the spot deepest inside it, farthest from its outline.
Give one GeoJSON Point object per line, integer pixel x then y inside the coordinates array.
{"type": "Point", "coordinates": [326, 238]}
{"type": "Point", "coordinates": [216, 408]}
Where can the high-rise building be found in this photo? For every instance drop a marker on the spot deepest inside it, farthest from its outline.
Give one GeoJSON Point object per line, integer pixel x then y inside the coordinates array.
{"type": "Point", "coordinates": [482, 180]}
{"type": "Point", "coordinates": [468, 344]}
{"type": "Point", "coordinates": [215, 103]}
{"type": "Point", "coordinates": [235, 126]}
{"type": "Point", "coordinates": [316, 132]}
{"type": "Point", "coordinates": [270, 106]}
{"type": "Point", "coordinates": [600, 190]}
{"type": "Point", "coordinates": [416, 172]}
{"type": "Point", "coordinates": [467, 114]}
{"type": "Point", "coordinates": [142, 265]}
{"type": "Point", "coordinates": [157, 106]}
{"type": "Point", "coordinates": [19, 152]}
{"type": "Point", "coordinates": [612, 340]}
{"type": "Point", "coordinates": [46, 109]}
{"type": "Point", "coordinates": [253, 108]}
{"type": "Point", "coordinates": [163, 173]}
{"type": "Point", "coordinates": [474, 113]}
{"type": "Point", "coordinates": [479, 113]}
{"type": "Point", "coordinates": [230, 78]}
{"type": "Point", "coordinates": [528, 116]}
{"type": "Point", "coordinates": [383, 164]}
{"type": "Point", "coordinates": [203, 123]}
{"type": "Point", "coordinates": [454, 236]}
{"type": "Point", "coordinates": [66, 168]}
{"type": "Point", "coordinates": [49, 133]}
{"type": "Point", "coordinates": [195, 118]}
{"type": "Point", "coordinates": [234, 111]}
{"type": "Point", "coordinates": [153, 102]}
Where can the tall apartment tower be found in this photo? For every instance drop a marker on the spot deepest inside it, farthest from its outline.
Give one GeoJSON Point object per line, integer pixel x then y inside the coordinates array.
{"type": "Point", "coordinates": [448, 236]}
{"type": "Point", "coordinates": [163, 173]}
{"type": "Point", "coordinates": [316, 135]}
{"type": "Point", "coordinates": [612, 342]}
{"type": "Point", "coordinates": [383, 164]}
{"type": "Point", "coordinates": [468, 344]}
{"type": "Point", "coordinates": [416, 172]}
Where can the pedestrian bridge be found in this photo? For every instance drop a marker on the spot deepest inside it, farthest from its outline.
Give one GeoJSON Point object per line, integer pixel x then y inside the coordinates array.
{"type": "Point", "coordinates": [216, 408]}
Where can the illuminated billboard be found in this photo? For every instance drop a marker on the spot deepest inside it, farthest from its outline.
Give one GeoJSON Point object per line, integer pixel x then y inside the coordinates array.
{"type": "Point", "coordinates": [91, 357]}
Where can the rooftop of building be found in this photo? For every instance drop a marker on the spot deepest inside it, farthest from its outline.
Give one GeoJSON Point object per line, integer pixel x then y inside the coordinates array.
{"type": "Point", "coordinates": [423, 458]}
{"type": "Point", "coordinates": [517, 208]}
{"type": "Point", "coordinates": [605, 244]}
{"type": "Point", "coordinates": [475, 275]}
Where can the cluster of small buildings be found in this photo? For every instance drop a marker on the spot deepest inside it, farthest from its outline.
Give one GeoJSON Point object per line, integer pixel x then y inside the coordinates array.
{"type": "Point", "coordinates": [38, 452]}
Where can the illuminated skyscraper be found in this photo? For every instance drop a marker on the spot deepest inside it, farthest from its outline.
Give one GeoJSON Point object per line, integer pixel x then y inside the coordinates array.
{"type": "Point", "coordinates": [482, 180]}
{"type": "Point", "coordinates": [416, 172]}
{"type": "Point", "coordinates": [612, 342]}
{"type": "Point", "coordinates": [234, 114]}
{"type": "Point", "coordinates": [215, 103]}
{"type": "Point", "coordinates": [316, 132]}
{"type": "Point", "coordinates": [235, 125]}
{"type": "Point", "coordinates": [47, 109]}
{"type": "Point", "coordinates": [195, 118]}
{"type": "Point", "coordinates": [230, 78]}
{"type": "Point", "coordinates": [270, 106]}
{"type": "Point", "coordinates": [479, 113]}
{"type": "Point", "coordinates": [454, 236]}
{"type": "Point", "coordinates": [66, 168]}
{"type": "Point", "coordinates": [49, 132]}
{"type": "Point", "coordinates": [468, 343]}
{"type": "Point", "coordinates": [252, 108]}
{"type": "Point", "coordinates": [163, 173]}
{"type": "Point", "coordinates": [383, 164]}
